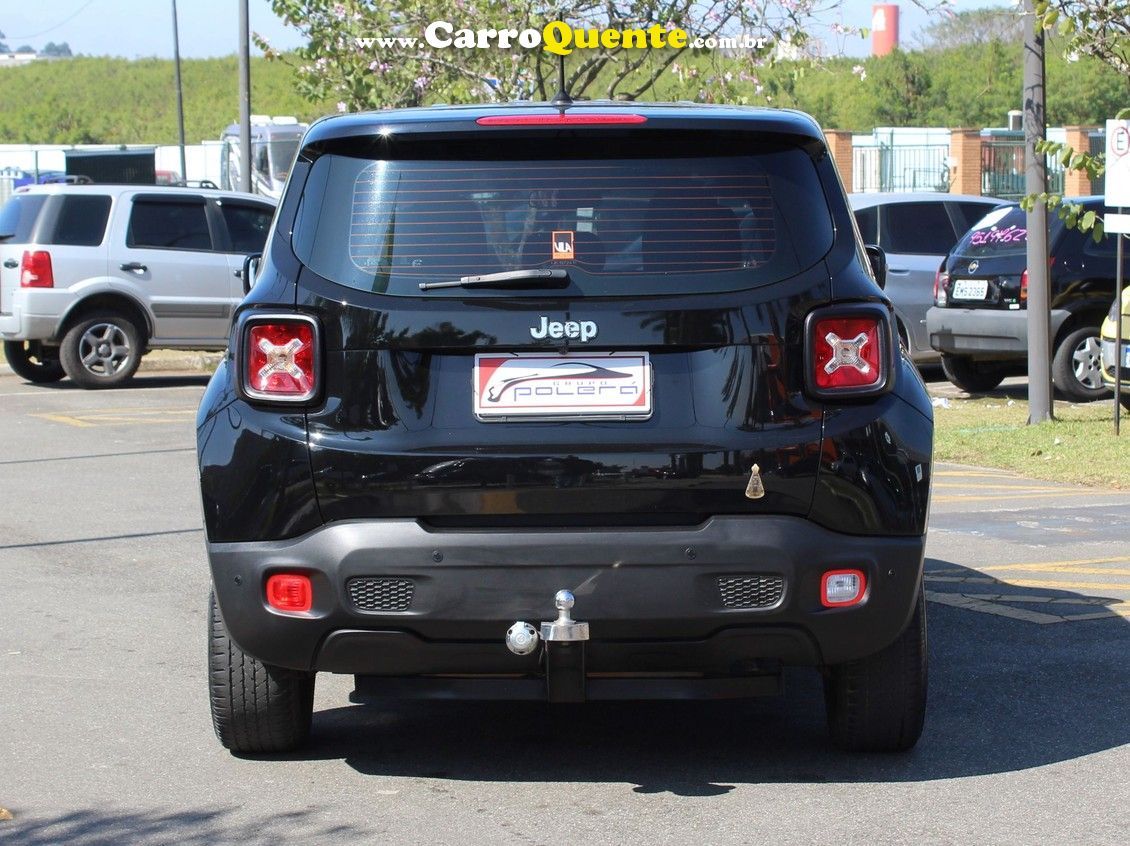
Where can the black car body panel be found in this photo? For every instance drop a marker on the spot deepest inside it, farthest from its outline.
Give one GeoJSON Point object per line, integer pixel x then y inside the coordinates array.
{"type": "Point", "coordinates": [389, 474]}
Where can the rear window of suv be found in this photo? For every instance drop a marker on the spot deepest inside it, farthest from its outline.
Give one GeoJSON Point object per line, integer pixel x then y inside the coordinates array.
{"type": "Point", "coordinates": [1002, 232]}
{"type": "Point", "coordinates": [660, 219]}
{"type": "Point", "coordinates": [17, 217]}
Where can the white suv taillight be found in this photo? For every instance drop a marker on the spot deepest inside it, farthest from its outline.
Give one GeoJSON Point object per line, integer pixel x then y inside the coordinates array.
{"type": "Point", "coordinates": [280, 358]}
{"type": "Point", "coordinates": [848, 351]}
{"type": "Point", "coordinates": [35, 270]}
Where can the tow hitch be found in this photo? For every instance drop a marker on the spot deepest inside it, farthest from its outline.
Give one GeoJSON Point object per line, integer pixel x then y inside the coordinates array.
{"type": "Point", "coordinates": [564, 640]}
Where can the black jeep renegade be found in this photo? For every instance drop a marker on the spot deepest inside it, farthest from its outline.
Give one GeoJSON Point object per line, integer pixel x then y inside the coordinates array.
{"type": "Point", "coordinates": [565, 403]}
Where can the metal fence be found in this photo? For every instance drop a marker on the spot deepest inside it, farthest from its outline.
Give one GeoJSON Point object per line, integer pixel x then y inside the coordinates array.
{"type": "Point", "coordinates": [1002, 169]}
{"type": "Point", "coordinates": [887, 167]}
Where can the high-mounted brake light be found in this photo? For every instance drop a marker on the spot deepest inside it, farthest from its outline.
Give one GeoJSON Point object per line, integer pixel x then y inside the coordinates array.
{"type": "Point", "coordinates": [35, 270]}
{"type": "Point", "coordinates": [280, 358]}
{"type": "Point", "coordinates": [558, 119]}
{"type": "Point", "coordinates": [290, 592]}
{"type": "Point", "coordinates": [848, 351]}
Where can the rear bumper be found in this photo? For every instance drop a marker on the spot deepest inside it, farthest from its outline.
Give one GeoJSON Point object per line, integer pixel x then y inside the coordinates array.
{"type": "Point", "coordinates": [36, 314]}
{"type": "Point", "coordinates": [1108, 362]}
{"type": "Point", "coordinates": [984, 333]}
{"type": "Point", "coordinates": [651, 596]}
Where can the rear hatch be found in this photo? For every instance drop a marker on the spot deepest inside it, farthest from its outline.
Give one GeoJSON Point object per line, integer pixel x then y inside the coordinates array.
{"type": "Point", "coordinates": [986, 267]}
{"type": "Point", "coordinates": [62, 233]}
{"type": "Point", "coordinates": [17, 220]}
{"type": "Point", "coordinates": [636, 380]}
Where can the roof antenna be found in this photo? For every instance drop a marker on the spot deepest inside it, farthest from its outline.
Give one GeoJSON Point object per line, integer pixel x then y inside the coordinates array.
{"type": "Point", "coordinates": [561, 99]}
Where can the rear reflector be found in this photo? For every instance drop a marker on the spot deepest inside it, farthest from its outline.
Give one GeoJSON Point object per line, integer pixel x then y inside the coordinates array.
{"type": "Point", "coordinates": [558, 119]}
{"type": "Point", "coordinates": [289, 592]}
{"type": "Point", "coordinates": [35, 270]}
{"type": "Point", "coordinates": [842, 587]}
{"type": "Point", "coordinates": [280, 358]}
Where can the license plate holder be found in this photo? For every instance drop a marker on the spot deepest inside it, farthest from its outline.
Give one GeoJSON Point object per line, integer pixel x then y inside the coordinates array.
{"type": "Point", "coordinates": [970, 289]}
{"type": "Point", "coordinates": [562, 386]}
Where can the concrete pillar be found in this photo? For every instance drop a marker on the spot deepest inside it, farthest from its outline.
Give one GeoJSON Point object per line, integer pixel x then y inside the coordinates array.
{"type": "Point", "coordinates": [839, 145]}
{"type": "Point", "coordinates": [1076, 183]}
{"type": "Point", "coordinates": [965, 150]}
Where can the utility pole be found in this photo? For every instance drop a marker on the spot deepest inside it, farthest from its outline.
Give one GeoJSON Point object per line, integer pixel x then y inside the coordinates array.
{"type": "Point", "coordinates": [244, 99]}
{"type": "Point", "coordinates": [180, 96]}
{"type": "Point", "coordinates": [1035, 182]}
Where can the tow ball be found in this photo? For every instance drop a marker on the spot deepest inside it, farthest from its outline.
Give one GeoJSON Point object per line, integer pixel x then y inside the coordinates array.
{"type": "Point", "coordinates": [564, 640]}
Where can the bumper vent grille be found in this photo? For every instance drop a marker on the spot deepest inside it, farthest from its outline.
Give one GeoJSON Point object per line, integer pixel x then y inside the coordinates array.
{"type": "Point", "coordinates": [370, 593]}
{"type": "Point", "coordinates": [751, 591]}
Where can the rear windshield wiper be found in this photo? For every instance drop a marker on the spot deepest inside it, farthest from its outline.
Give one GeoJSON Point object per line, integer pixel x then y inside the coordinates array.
{"type": "Point", "coordinates": [556, 277]}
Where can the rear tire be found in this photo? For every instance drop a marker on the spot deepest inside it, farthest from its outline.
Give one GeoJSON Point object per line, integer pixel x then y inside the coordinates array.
{"type": "Point", "coordinates": [256, 708]}
{"type": "Point", "coordinates": [878, 703]}
{"type": "Point", "coordinates": [102, 350]}
{"type": "Point", "coordinates": [1077, 366]}
{"type": "Point", "coordinates": [972, 376]}
{"type": "Point", "coordinates": [33, 361]}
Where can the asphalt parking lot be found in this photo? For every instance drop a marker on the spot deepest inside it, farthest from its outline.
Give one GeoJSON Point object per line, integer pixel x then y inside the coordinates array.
{"type": "Point", "coordinates": [107, 738]}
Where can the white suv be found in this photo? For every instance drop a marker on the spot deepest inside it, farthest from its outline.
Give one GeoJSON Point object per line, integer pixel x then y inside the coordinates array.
{"type": "Point", "coordinates": [91, 276]}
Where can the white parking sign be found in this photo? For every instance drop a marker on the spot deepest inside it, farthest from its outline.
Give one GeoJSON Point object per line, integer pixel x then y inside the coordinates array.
{"type": "Point", "coordinates": [1118, 163]}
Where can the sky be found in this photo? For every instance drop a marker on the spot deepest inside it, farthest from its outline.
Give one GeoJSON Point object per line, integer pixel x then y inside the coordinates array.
{"type": "Point", "coordinates": [138, 28]}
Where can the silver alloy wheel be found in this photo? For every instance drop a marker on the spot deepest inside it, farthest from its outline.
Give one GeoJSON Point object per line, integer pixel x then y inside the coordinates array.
{"type": "Point", "coordinates": [104, 349]}
{"type": "Point", "coordinates": [1087, 362]}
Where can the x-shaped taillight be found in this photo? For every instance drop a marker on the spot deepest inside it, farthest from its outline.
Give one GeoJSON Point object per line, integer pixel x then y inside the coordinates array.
{"type": "Point", "coordinates": [280, 359]}
{"type": "Point", "coordinates": [847, 353]}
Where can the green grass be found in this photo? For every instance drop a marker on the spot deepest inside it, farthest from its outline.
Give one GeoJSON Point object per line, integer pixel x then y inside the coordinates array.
{"type": "Point", "coordinates": [1079, 446]}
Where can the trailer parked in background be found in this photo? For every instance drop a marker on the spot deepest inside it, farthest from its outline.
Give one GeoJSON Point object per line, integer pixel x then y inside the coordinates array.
{"type": "Point", "coordinates": [274, 145]}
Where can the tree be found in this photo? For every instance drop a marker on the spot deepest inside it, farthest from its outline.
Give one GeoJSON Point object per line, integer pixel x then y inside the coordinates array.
{"type": "Point", "coordinates": [974, 27]}
{"type": "Point", "coordinates": [3, 46]}
{"type": "Point", "coordinates": [366, 54]}
{"type": "Point", "coordinates": [898, 88]}
{"type": "Point", "coordinates": [1098, 28]}
{"type": "Point", "coordinates": [61, 51]}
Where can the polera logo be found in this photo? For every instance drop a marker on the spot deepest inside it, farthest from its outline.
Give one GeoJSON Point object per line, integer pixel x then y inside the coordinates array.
{"type": "Point", "coordinates": [532, 384]}
{"type": "Point", "coordinates": [565, 370]}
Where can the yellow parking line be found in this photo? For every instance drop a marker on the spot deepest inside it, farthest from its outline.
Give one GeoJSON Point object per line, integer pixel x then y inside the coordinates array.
{"type": "Point", "coordinates": [994, 606]}
{"type": "Point", "coordinates": [997, 497]}
{"type": "Point", "coordinates": [1072, 571]}
{"type": "Point", "coordinates": [979, 487]}
{"type": "Point", "coordinates": [63, 418]}
{"type": "Point", "coordinates": [1037, 583]}
{"type": "Point", "coordinates": [1067, 563]}
{"type": "Point", "coordinates": [1033, 599]}
{"type": "Point", "coordinates": [969, 603]}
{"type": "Point", "coordinates": [977, 475]}
{"type": "Point", "coordinates": [105, 418]}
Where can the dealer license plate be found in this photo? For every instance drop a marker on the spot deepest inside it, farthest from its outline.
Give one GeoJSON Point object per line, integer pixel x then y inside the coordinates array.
{"type": "Point", "coordinates": [970, 289]}
{"type": "Point", "coordinates": [575, 386]}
